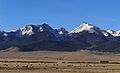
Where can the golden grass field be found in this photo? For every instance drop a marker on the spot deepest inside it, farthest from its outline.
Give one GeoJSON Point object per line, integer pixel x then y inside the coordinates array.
{"type": "Point", "coordinates": [58, 62]}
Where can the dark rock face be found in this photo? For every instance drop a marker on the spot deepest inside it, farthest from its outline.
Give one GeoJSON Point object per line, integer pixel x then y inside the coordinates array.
{"type": "Point", "coordinates": [43, 37]}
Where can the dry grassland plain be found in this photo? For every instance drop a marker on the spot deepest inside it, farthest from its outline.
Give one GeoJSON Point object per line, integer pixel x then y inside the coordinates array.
{"type": "Point", "coordinates": [59, 62]}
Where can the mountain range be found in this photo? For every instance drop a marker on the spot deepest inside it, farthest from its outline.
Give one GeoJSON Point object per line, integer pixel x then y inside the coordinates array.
{"type": "Point", "coordinates": [43, 37]}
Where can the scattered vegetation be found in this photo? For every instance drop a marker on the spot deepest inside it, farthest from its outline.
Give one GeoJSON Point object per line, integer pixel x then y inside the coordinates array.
{"type": "Point", "coordinates": [62, 66]}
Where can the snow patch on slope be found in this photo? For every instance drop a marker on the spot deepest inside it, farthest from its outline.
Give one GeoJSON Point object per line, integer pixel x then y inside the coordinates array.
{"type": "Point", "coordinates": [105, 33]}
{"type": "Point", "coordinates": [61, 32]}
{"type": "Point", "coordinates": [41, 29]}
{"type": "Point", "coordinates": [5, 34]}
{"type": "Point", "coordinates": [27, 30]}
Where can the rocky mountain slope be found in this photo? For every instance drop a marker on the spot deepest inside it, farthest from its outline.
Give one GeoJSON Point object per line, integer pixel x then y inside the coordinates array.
{"type": "Point", "coordinates": [44, 37]}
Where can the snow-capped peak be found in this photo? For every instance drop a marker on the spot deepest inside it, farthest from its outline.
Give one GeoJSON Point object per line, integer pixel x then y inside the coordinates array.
{"type": "Point", "coordinates": [114, 33]}
{"type": "Point", "coordinates": [83, 27]}
{"type": "Point", "coordinates": [27, 30]}
{"type": "Point", "coordinates": [118, 32]}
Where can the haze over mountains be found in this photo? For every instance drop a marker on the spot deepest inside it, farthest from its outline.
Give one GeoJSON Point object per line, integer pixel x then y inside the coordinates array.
{"type": "Point", "coordinates": [44, 37]}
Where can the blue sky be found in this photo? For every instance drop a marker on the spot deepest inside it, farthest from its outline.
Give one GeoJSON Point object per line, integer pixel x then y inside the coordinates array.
{"type": "Point", "coordinates": [59, 13]}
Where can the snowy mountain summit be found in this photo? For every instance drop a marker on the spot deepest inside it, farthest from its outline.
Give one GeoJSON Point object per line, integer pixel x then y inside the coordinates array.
{"type": "Point", "coordinates": [31, 30]}
{"type": "Point", "coordinates": [85, 27]}
{"type": "Point", "coordinates": [93, 29]}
